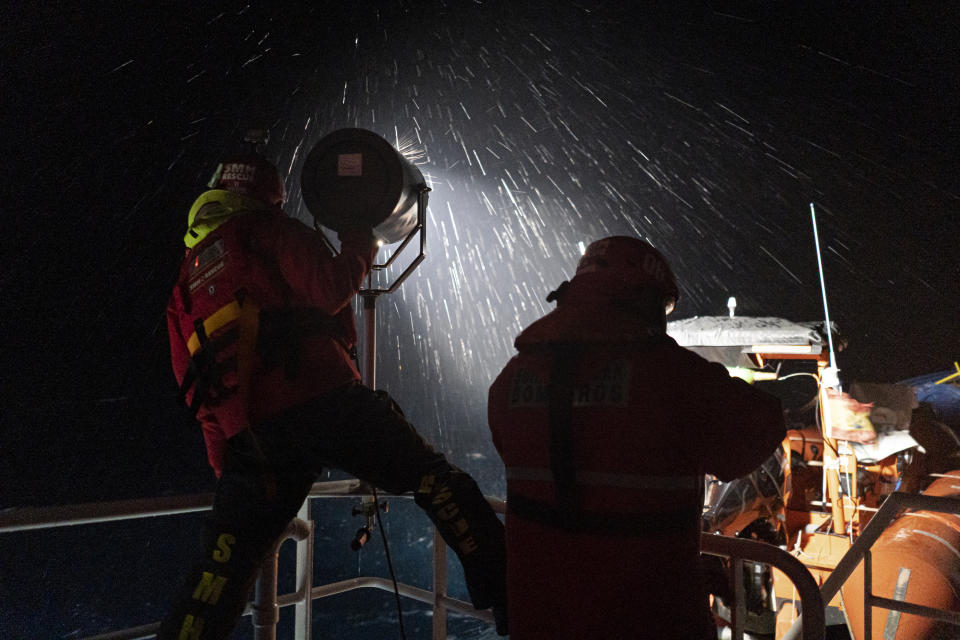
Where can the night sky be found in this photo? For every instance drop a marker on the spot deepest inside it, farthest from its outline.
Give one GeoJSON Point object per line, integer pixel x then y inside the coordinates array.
{"type": "Point", "coordinates": [705, 128]}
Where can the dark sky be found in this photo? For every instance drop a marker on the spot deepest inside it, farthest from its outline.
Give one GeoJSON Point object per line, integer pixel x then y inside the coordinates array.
{"type": "Point", "coordinates": [707, 128]}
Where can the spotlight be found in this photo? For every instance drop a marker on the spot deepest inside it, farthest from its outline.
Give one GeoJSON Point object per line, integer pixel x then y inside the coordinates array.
{"type": "Point", "coordinates": [353, 177]}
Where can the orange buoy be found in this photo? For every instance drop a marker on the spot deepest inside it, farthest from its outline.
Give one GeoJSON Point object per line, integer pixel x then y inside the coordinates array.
{"type": "Point", "coordinates": [916, 560]}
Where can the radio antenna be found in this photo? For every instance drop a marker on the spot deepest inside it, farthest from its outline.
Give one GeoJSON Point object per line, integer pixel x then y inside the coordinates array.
{"type": "Point", "coordinates": [833, 379]}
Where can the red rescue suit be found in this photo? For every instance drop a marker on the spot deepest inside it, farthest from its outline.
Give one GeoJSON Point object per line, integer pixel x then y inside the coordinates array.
{"type": "Point", "coordinates": [260, 283]}
{"type": "Point", "coordinates": [606, 429]}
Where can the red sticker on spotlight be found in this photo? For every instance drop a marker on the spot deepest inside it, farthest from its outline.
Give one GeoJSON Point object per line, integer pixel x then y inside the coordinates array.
{"type": "Point", "coordinates": [350, 164]}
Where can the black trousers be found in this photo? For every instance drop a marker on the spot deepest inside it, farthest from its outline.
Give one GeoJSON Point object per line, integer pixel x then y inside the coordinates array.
{"type": "Point", "coordinates": [268, 472]}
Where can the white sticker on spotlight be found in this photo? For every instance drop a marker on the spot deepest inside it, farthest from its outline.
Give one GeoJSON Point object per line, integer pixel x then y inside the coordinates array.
{"type": "Point", "coordinates": [350, 164]}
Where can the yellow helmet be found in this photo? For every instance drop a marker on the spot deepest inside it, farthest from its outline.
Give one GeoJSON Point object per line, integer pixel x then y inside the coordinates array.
{"type": "Point", "coordinates": [212, 209]}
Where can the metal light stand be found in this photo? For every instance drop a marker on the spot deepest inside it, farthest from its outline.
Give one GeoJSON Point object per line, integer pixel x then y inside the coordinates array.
{"type": "Point", "coordinates": [369, 506]}
{"type": "Point", "coordinates": [370, 294]}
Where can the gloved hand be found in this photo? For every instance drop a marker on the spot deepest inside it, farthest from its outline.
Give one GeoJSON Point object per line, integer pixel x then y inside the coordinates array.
{"type": "Point", "coordinates": [356, 233]}
{"type": "Point", "coordinates": [358, 240]}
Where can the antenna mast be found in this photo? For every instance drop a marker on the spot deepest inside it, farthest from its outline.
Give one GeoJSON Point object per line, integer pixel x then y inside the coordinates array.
{"type": "Point", "coordinates": [833, 380]}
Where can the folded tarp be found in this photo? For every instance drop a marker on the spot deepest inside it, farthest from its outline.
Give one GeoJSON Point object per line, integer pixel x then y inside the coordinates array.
{"type": "Point", "coordinates": [744, 331]}
{"type": "Point", "coordinates": [944, 398]}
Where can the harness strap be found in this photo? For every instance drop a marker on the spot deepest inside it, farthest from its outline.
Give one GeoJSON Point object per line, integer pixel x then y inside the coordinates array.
{"type": "Point", "coordinates": [206, 371]}
{"type": "Point", "coordinates": [197, 373]}
{"type": "Point", "coordinates": [276, 335]}
{"type": "Point", "coordinates": [221, 317]}
{"type": "Point", "coordinates": [560, 411]}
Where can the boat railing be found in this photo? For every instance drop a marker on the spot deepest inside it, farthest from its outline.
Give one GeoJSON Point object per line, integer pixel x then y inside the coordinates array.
{"type": "Point", "coordinates": [889, 511]}
{"type": "Point", "coordinates": [264, 609]}
{"type": "Point", "coordinates": [741, 550]}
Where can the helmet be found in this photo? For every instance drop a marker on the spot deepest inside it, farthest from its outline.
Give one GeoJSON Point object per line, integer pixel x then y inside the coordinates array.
{"type": "Point", "coordinates": [212, 209]}
{"type": "Point", "coordinates": [632, 262]}
{"type": "Point", "coordinates": [251, 175]}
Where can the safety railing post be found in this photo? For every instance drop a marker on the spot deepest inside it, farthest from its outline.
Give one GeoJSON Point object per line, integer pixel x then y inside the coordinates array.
{"type": "Point", "coordinates": [737, 549]}
{"type": "Point", "coordinates": [265, 608]}
{"type": "Point", "coordinates": [739, 611]}
{"type": "Point", "coordinates": [265, 611]}
{"type": "Point", "coordinates": [303, 609]}
{"type": "Point", "coordinates": [867, 595]}
{"type": "Point", "coordinates": [439, 586]}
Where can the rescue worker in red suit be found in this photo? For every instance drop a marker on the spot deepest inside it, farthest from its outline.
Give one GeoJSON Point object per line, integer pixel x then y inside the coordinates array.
{"type": "Point", "coordinates": [606, 428]}
{"type": "Point", "coordinates": [261, 335]}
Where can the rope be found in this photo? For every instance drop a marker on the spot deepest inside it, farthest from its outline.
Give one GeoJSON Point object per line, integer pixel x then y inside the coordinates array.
{"type": "Point", "coordinates": [393, 575]}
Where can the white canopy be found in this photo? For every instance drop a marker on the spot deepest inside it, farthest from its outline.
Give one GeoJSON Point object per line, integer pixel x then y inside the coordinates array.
{"type": "Point", "coordinates": [745, 331]}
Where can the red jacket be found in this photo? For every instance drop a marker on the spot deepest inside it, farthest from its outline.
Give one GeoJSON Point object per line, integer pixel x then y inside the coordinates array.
{"type": "Point", "coordinates": [647, 420]}
{"type": "Point", "coordinates": [276, 264]}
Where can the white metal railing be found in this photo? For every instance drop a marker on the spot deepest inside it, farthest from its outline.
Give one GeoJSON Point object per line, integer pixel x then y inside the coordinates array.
{"type": "Point", "coordinates": [265, 606]}
{"type": "Point", "coordinates": [739, 550]}
{"type": "Point", "coordinates": [860, 550]}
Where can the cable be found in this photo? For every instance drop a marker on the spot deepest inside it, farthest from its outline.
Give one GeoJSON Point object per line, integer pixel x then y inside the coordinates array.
{"type": "Point", "coordinates": [802, 373]}
{"type": "Point", "coordinates": [393, 575]}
